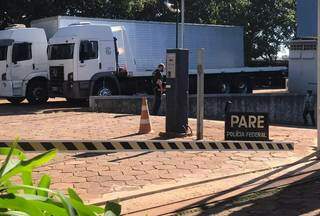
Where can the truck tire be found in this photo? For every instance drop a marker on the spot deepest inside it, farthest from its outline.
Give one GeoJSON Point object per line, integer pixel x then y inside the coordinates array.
{"type": "Point", "coordinates": [242, 87]}
{"type": "Point", "coordinates": [105, 88]}
{"type": "Point", "coordinates": [15, 100]}
{"type": "Point", "coordinates": [224, 87]}
{"type": "Point", "coordinates": [37, 92]}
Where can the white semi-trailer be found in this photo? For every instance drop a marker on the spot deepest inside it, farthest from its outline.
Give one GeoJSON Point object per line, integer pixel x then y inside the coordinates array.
{"type": "Point", "coordinates": [23, 65]}
{"type": "Point", "coordinates": [142, 46]}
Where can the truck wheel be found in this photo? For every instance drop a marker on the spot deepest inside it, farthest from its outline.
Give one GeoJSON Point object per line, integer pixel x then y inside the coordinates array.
{"type": "Point", "coordinates": [16, 100]}
{"type": "Point", "coordinates": [225, 88]}
{"type": "Point", "coordinates": [243, 87]}
{"type": "Point", "coordinates": [104, 89]}
{"type": "Point", "coordinates": [37, 93]}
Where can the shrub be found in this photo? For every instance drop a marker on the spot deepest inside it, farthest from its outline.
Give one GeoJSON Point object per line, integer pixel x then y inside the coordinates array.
{"type": "Point", "coordinates": [27, 199]}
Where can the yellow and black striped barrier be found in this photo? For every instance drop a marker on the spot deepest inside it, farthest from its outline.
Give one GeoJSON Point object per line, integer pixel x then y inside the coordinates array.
{"type": "Point", "coordinates": [150, 145]}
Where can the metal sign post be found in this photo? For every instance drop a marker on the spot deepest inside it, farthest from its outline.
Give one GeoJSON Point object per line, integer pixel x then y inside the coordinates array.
{"type": "Point", "coordinates": [200, 94]}
{"type": "Point", "coordinates": [318, 84]}
{"type": "Point", "coordinates": [182, 24]}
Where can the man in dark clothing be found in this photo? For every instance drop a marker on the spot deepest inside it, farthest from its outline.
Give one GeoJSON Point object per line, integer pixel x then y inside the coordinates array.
{"type": "Point", "coordinates": [309, 105]}
{"type": "Point", "coordinates": [158, 88]}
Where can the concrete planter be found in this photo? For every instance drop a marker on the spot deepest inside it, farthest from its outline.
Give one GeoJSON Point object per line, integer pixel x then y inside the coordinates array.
{"type": "Point", "coordinates": [282, 108]}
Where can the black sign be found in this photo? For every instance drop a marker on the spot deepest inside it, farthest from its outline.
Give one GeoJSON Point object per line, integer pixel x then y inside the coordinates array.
{"type": "Point", "coordinates": [247, 126]}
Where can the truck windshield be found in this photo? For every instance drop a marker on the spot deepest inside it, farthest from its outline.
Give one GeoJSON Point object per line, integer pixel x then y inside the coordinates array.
{"type": "Point", "coordinates": [3, 53]}
{"type": "Point", "coordinates": [60, 51]}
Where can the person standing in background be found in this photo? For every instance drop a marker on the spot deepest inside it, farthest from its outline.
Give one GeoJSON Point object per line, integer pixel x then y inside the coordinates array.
{"type": "Point", "coordinates": [159, 89]}
{"type": "Point", "coordinates": [309, 105]}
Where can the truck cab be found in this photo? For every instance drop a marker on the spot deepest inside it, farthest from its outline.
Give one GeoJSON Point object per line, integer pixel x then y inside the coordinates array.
{"type": "Point", "coordinates": [23, 65]}
{"type": "Point", "coordinates": [83, 62]}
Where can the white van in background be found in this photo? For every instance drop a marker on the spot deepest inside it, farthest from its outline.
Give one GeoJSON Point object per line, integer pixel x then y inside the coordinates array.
{"type": "Point", "coordinates": [23, 65]}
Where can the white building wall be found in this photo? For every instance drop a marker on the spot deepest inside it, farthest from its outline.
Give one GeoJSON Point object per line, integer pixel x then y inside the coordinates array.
{"type": "Point", "coordinates": [302, 67]}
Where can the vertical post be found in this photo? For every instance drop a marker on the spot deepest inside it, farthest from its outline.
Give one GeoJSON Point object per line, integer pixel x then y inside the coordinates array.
{"type": "Point", "coordinates": [318, 79]}
{"type": "Point", "coordinates": [200, 94]}
{"type": "Point", "coordinates": [182, 24]}
{"type": "Point", "coordinates": [177, 24]}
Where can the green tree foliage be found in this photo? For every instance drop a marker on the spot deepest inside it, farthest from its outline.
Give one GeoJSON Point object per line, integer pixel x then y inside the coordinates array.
{"type": "Point", "coordinates": [268, 23]}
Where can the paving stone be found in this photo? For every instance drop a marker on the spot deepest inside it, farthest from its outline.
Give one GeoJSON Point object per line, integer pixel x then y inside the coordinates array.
{"type": "Point", "coordinates": [180, 171]}
{"type": "Point", "coordinates": [97, 178]}
{"type": "Point", "coordinates": [209, 166]}
{"type": "Point", "coordinates": [148, 177]}
{"type": "Point", "coordinates": [95, 167]}
{"type": "Point", "coordinates": [157, 172]}
{"type": "Point", "coordinates": [85, 185]}
{"type": "Point", "coordinates": [133, 172]}
{"type": "Point", "coordinates": [99, 190]}
{"type": "Point", "coordinates": [173, 162]}
{"type": "Point", "coordinates": [85, 173]}
{"type": "Point", "coordinates": [75, 162]}
{"type": "Point", "coordinates": [61, 186]}
{"type": "Point", "coordinates": [119, 168]}
{"type": "Point", "coordinates": [238, 158]}
{"type": "Point", "coordinates": [137, 182]}
{"type": "Point", "coordinates": [186, 166]}
{"type": "Point", "coordinates": [143, 167]}
{"type": "Point", "coordinates": [111, 184]}
{"type": "Point", "coordinates": [109, 173]}
{"type": "Point", "coordinates": [192, 162]}
{"type": "Point", "coordinates": [165, 167]}
{"type": "Point", "coordinates": [125, 188]}
{"type": "Point", "coordinates": [171, 175]}
{"type": "Point", "coordinates": [123, 177]}
{"type": "Point", "coordinates": [74, 179]}
{"type": "Point", "coordinates": [152, 163]}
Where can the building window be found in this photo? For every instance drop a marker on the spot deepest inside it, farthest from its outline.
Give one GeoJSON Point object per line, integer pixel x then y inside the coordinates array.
{"type": "Point", "coordinates": [303, 46]}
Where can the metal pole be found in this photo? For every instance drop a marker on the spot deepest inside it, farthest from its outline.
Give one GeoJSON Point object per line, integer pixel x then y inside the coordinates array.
{"type": "Point", "coordinates": [182, 24]}
{"type": "Point", "coordinates": [318, 83]}
{"type": "Point", "coordinates": [177, 24]}
{"type": "Point", "coordinates": [200, 94]}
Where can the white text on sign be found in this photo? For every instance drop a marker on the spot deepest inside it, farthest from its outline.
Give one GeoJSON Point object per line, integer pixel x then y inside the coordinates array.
{"type": "Point", "coordinates": [249, 121]}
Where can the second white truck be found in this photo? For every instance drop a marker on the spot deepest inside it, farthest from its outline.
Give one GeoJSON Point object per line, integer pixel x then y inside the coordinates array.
{"type": "Point", "coordinates": [83, 61]}
{"type": "Point", "coordinates": [23, 65]}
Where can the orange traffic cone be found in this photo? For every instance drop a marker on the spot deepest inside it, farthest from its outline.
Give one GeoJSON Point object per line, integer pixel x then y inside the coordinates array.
{"type": "Point", "coordinates": [145, 125]}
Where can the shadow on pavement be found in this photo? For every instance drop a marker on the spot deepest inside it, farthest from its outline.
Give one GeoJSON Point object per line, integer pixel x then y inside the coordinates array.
{"type": "Point", "coordinates": [300, 198]}
{"type": "Point", "coordinates": [129, 157]}
{"type": "Point", "coordinates": [124, 115]}
{"type": "Point", "coordinates": [247, 209]}
{"type": "Point", "coordinates": [93, 154]}
{"type": "Point", "coordinates": [125, 136]}
{"type": "Point", "coordinates": [206, 201]}
{"type": "Point", "coordinates": [7, 109]}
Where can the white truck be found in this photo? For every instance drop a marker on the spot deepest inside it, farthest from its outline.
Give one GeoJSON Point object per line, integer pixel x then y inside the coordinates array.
{"type": "Point", "coordinates": [23, 65]}
{"type": "Point", "coordinates": [83, 61]}
{"type": "Point", "coordinates": [142, 45]}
